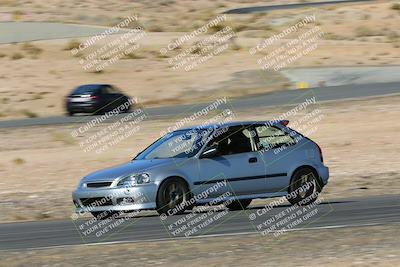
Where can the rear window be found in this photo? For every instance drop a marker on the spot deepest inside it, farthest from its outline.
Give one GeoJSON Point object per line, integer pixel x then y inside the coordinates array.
{"type": "Point", "coordinates": [86, 90]}
{"type": "Point", "coordinates": [272, 137]}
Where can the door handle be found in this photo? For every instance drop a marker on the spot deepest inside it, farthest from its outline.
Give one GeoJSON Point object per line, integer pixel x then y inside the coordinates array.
{"type": "Point", "coordinates": [253, 160]}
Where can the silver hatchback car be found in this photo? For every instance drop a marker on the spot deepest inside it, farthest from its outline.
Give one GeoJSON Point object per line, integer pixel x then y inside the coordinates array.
{"type": "Point", "coordinates": [231, 162]}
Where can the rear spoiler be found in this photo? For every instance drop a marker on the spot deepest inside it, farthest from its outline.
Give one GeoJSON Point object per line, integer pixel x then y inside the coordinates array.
{"type": "Point", "coordinates": [274, 122]}
{"type": "Point", "coordinates": [284, 122]}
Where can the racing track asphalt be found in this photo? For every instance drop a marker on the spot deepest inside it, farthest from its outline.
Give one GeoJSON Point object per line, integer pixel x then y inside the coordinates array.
{"type": "Point", "coordinates": [351, 212]}
{"type": "Point", "coordinates": [258, 9]}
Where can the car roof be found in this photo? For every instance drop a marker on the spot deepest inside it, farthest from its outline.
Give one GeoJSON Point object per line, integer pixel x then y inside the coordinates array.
{"type": "Point", "coordinates": [93, 85]}
{"type": "Point", "coordinates": [227, 124]}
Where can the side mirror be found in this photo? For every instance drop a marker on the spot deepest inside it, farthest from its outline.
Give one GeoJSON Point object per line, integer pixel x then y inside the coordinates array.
{"type": "Point", "coordinates": [210, 152]}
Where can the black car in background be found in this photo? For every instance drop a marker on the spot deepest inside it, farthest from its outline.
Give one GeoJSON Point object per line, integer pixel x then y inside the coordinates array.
{"type": "Point", "coordinates": [96, 99]}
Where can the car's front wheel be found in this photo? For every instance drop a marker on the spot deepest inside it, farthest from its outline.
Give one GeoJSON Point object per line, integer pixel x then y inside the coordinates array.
{"type": "Point", "coordinates": [304, 187]}
{"type": "Point", "coordinates": [172, 197]}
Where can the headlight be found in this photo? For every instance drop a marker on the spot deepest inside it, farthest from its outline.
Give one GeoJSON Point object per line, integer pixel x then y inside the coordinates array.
{"type": "Point", "coordinates": [80, 185]}
{"type": "Point", "coordinates": [134, 179]}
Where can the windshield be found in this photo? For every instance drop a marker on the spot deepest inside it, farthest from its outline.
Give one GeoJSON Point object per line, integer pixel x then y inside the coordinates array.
{"type": "Point", "coordinates": [178, 144]}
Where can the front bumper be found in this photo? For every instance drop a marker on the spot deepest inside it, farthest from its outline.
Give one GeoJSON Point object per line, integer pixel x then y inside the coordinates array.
{"type": "Point", "coordinates": [84, 107]}
{"type": "Point", "coordinates": [141, 197]}
{"type": "Point", "coordinates": [323, 172]}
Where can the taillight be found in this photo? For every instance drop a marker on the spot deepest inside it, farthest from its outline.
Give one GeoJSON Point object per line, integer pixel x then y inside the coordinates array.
{"type": "Point", "coordinates": [284, 122]}
{"type": "Point", "coordinates": [320, 153]}
{"type": "Point", "coordinates": [93, 97]}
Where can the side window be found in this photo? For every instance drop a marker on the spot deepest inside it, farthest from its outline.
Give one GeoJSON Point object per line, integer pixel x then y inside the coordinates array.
{"type": "Point", "coordinates": [270, 137]}
{"type": "Point", "coordinates": [104, 90]}
{"type": "Point", "coordinates": [108, 90]}
{"type": "Point", "coordinates": [234, 141]}
{"type": "Point", "coordinates": [112, 90]}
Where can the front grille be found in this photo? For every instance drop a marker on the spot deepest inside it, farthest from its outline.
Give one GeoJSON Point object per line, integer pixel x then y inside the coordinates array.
{"type": "Point", "coordinates": [96, 201]}
{"type": "Point", "coordinates": [98, 184]}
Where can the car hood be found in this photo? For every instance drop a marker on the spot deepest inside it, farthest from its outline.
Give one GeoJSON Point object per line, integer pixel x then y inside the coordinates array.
{"type": "Point", "coordinates": [134, 166]}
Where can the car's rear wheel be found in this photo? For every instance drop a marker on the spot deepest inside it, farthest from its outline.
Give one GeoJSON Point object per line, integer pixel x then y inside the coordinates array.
{"type": "Point", "coordinates": [98, 112]}
{"type": "Point", "coordinates": [70, 113]}
{"type": "Point", "coordinates": [171, 197]}
{"type": "Point", "coordinates": [304, 187]}
{"type": "Point", "coordinates": [127, 110]}
{"type": "Point", "coordinates": [239, 204]}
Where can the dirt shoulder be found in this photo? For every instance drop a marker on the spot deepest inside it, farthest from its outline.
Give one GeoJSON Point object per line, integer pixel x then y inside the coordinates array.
{"type": "Point", "coordinates": [356, 246]}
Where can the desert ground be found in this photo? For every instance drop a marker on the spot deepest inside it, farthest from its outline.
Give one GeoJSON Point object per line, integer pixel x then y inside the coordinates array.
{"type": "Point", "coordinates": [356, 246]}
{"type": "Point", "coordinates": [35, 77]}
{"type": "Point", "coordinates": [41, 166]}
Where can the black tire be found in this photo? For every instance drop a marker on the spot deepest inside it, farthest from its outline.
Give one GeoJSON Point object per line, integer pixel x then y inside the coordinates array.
{"type": "Point", "coordinates": [102, 215]}
{"type": "Point", "coordinates": [304, 187]}
{"type": "Point", "coordinates": [128, 110]}
{"type": "Point", "coordinates": [172, 193]}
{"type": "Point", "coordinates": [70, 113]}
{"type": "Point", "coordinates": [239, 204]}
{"type": "Point", "coordinates": [98, 112]}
